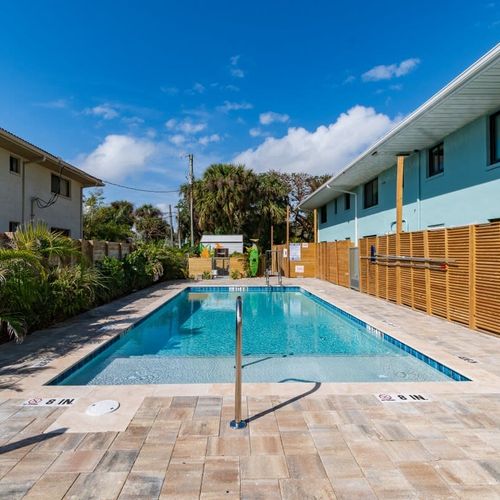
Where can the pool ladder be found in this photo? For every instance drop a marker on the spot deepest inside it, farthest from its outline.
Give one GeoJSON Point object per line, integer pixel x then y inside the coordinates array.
{"type": "Point", "coordinates": [238, 423]}
{"type": "Point", "coordinates": [273, 258]}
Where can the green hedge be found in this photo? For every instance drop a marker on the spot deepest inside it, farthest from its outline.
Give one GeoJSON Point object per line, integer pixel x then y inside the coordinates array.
{"type": "Point", "coordinates": [36, 293]}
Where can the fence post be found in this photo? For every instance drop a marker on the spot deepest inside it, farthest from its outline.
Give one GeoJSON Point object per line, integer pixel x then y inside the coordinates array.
{"type": "Point", "coordinates": [360, 270]}
{"type": "Point", "coordinates": [337, 261]}
{"type": "Point", "coordinates": [447, 276]}
{"type": "Point", "coordinates": [428, 297]}
{"type": "Point", "coordinates": [398, 269]}
{"type": "Point", "coordinates": [412, 288]}
{"type": "Point", "coordinates": [472, 276]}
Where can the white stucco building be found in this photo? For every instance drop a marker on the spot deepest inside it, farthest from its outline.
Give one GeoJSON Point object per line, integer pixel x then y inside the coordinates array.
{"type": "Point", "coordinates": [36, 185]}
{"type": "Point", "coordinates": [232, 242]}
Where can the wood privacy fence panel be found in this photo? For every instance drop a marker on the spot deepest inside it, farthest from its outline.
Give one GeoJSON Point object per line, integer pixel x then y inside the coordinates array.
{"type": "Point", "coordinates": [458, 275]}
{"type": "Point", "coordinates": [303, 268]}
{"type": "Point", "coordinates": [461, 282]}
{"type": "Point", "coordinates": [96, 250]}
{"type": "Point", "coordinates": [487, 273]}
{"type": "Point", "coordinates": [92, 249]}
{"type": "Point", "coordinates": [327, 261]}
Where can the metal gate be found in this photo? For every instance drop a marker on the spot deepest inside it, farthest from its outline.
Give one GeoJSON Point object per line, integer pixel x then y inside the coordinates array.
{"type": "Point", "coordinates": [220, 266]}
{"type": "Point", "coordinates": [354, 267]}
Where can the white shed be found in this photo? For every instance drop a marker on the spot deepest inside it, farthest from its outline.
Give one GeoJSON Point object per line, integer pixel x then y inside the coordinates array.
{"type": "Point", "coordinates": [233, 242]}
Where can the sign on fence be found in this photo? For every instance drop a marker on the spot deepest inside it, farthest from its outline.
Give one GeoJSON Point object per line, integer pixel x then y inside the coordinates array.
{"type": "Point", "coordinates": [294, 251]}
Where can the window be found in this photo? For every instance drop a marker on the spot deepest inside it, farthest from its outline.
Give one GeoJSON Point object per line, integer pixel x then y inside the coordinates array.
{"type": "Point", "coordinates": [64, 232]}
{"type": "Point", "coordinates": [436, 160]}
{"type": "Point", "coordinates": [15, 166]}
{"type": "Point", "coordinates": [495, 138]}
{"type": "Point", "coordinates": [323, 215]}
{"type": "Point", "coordinates": [13, 226]}
{"type": "Point", "coordinates": [335, 205]}
{"type": "Point", "coordinates": [60, 186]}
{"type": "Point", "coordinates": [370, 197]}
{"type": "Point", "coordinates": [347, 201]}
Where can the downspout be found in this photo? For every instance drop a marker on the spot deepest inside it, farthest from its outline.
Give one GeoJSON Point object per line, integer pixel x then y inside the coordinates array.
{"type": "Point", "coordinates": [81, 212]}
{"type": "Point", "coordinates": [419, 193]}
{"type": "Point", "coordinates": [23, 191]}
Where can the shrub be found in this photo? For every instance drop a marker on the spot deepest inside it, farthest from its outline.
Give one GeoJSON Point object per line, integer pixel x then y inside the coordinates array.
{"type": "Point", "coordinates": [39, 285]}
{"type": "Point", "coordinates": [112, 269]}
{"type": "Point", "coordinates": [75, 289]}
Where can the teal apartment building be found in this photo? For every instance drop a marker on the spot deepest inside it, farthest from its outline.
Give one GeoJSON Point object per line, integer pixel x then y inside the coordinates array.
{"type": "Point", "coordinates": [449, 154]}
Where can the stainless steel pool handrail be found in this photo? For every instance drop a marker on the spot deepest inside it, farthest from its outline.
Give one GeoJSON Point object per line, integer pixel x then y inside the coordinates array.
{"type": "Point", "coordinates": [238, 423]}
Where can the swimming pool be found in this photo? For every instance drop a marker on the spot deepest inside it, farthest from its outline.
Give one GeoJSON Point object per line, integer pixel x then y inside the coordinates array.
{"type": "Point", "coordinates": [288, 335]}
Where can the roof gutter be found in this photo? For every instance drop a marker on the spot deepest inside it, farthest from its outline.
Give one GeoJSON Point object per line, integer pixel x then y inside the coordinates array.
{"type": "Point", "coordinates": [41, 156]}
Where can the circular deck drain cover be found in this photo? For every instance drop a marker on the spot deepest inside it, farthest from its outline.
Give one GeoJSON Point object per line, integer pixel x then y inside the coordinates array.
{"type": "Point", "coordinates": [103, 407]}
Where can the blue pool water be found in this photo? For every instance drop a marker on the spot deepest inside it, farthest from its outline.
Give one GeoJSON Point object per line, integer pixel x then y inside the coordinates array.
{"type": "Point", "coordinates": [288, 335]}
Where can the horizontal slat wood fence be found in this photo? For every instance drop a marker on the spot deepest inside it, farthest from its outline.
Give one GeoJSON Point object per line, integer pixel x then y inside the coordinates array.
{"type": "Point", "coordinates": [460, 282]}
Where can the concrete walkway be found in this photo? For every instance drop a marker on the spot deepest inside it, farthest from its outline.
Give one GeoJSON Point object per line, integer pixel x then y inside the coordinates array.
{"type": "Point", "coordinates": [303, 441]}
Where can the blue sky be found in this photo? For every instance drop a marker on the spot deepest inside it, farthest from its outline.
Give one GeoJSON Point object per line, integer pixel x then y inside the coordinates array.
{"type": "Point", "coordinates": [125, 90]}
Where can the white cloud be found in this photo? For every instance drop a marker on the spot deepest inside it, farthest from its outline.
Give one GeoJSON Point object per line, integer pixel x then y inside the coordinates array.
{"type": "Point", "coordinates": [105, 111]}
{"type": "Point", "coordinates": [170, 90]}
{"type": "Point", "coordinates": [197, 88]}
{"type": "Point", "coordinates": [192, 128]}
{"type": "Point", "coordinates": [255, 132]}
{"type": "Point", "coordinates": [271, 117]}
{"type": "Point", "coordinates": [234, 69]}
{"type": "Point", "coordinates": [349, 79]}
{"type": "Point", "coordinates": [232, 88]}
{"type": "Point", "coordinates": [118, 156]}
{"type": "Point", "coordinates": [207, 139]}
{"type": "Point", "coordinates": [177, 139]}
{"type": "Point", "coordinates": [237, 73]}
{"type": "Point", "coordinates": [185, 126]}
{"type": "Point", "coordinates": [56, 104]}
{"type": "Point", "coordinates": [325, 150]}
{"type": "Point", "coordinates": [234, 106]}
{"type": "Point", "coordinates": [170, 124]}
{"type": "Point", "coordinates": [386, 72]}
{"type": "Point", "coordinates": [133, 121]}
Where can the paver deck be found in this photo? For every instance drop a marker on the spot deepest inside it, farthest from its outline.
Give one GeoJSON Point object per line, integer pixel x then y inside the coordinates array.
{"type": "Point", "coordinates": [303, 440]}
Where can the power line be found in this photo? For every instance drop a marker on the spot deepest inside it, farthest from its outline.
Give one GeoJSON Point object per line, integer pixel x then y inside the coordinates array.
{"type": "Point", "coordinates": [139, 189]}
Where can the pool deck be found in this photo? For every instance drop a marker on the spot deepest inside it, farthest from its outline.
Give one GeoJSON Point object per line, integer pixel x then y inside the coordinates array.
{"type": "Point", "coordinates": [328, 440]}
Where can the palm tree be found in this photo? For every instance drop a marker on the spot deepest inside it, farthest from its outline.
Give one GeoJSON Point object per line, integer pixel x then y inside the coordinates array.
{"type": "Point", "coordinates": [37, 239]}
{"type": "Point", "coordinates": [224, 198]}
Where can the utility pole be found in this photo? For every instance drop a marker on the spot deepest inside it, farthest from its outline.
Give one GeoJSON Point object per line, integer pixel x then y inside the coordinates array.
{"type": "Point", "coordinates": [179, 231]}
{"type": "Point", "coordinates": [171, 225]}
{"type": "Point", "coordinates": [191, 211]}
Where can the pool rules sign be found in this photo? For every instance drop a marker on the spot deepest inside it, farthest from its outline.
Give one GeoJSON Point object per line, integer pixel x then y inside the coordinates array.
{"type": "Point", "coordinates": [50, 402]}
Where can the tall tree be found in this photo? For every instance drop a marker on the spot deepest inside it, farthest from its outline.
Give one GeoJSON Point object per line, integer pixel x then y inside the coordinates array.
{"type": "Point", "coordinates": [223, 198]}
{"type": "Point", "coordinates": [106, 222]}
{"type": "Point", "coordinates": [150, 224]}
{"type": "Point", "coordinates": [300, 185]}
{"type": "Point", "coordinates": [233, 199]}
